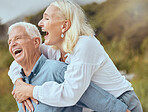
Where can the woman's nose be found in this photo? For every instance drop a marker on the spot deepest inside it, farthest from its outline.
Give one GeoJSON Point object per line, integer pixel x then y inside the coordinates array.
{"type": "Point", "coordinates": [40, 24]}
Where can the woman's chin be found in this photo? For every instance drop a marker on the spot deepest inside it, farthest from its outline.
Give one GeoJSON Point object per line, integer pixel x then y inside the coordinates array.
{"type": "Point", "coordinates": [47, 42]}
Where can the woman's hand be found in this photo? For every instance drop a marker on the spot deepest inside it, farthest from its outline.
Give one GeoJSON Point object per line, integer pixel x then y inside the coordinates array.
{"type": "Point", "coordinates": [23, 92]}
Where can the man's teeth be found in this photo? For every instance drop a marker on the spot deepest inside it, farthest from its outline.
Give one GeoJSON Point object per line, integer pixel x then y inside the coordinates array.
{"type": "Point", "coordinates": [16, 51]}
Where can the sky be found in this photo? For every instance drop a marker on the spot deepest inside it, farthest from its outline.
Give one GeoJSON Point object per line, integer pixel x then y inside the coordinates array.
{"type": "Point", "coordinates": [11, 9]}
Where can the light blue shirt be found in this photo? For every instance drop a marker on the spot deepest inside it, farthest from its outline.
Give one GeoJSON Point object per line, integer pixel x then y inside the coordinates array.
{"type": "Point", "coordinates": [43, 71]}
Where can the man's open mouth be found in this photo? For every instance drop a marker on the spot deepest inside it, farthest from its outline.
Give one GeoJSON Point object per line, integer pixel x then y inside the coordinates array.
{"type": "Point", "coordinates": [17, 51]}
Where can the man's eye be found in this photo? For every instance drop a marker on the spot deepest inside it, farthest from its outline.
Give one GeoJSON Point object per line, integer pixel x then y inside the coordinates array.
{"type": "Point", "coordinates": [46, 18]}
{"type": "Point", "coordinates": [18, 37]}
{"type": "Point", "coordinates": [9, 42]}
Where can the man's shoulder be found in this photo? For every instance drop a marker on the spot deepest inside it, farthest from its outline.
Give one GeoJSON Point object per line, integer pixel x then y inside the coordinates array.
{"type": "Point", "coordinates": [49, 61]}
{"type": "Point", "coordinates": [54, 64]}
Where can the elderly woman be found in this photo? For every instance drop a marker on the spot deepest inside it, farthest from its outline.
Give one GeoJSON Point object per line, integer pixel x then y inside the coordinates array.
{"type": "Point", "coordinates": [72, 41]}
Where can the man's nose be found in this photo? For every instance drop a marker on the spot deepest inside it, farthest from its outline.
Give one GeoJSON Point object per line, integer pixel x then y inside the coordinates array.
{"type": "Point", "coordinates": [13, 43]}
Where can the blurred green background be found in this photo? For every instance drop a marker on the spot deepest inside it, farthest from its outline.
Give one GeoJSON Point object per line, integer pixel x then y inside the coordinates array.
{"type": "Point", "coordinates": [122, 28]}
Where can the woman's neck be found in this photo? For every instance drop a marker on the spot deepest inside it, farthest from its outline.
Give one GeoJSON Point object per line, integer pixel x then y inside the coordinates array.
{"type": "Point", "coordinates": [62, 58]}
{"type": "Point", "coordinates": [63, 53]}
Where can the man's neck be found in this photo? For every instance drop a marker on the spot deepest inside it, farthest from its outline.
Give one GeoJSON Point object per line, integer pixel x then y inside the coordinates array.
{"type": "Point", "coordinates": [30, 63]}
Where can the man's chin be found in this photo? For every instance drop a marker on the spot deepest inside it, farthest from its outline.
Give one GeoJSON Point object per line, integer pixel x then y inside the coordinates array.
{"type": "Point", "coordinates": [19, 60]}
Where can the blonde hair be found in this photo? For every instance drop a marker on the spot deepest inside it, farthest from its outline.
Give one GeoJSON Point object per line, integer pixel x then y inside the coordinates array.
{"type": "Point", "coordinates": [79, 25]}
{"type": "Point", "coordinates": [31, 29]}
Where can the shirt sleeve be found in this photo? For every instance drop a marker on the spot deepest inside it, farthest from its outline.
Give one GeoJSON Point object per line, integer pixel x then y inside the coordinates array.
{"type": "Point", "coordinates": [49, 52]}
{"type": "Point", "coordinates": [77, 77]}
{"type": "Point", "coordinates": [14, 71]}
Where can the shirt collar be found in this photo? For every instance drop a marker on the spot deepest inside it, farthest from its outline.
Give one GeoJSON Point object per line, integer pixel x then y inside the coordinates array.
{"type": "Point", "coordinates": [39, 64]}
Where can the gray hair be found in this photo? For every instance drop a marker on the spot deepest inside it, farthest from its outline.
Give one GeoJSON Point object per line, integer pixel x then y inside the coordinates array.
{"type": "Point", "coordinates": [31, 29]}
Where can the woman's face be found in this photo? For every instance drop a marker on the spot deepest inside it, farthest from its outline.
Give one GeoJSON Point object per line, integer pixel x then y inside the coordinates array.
{"type": "Point", "coordinates": [52, 23]}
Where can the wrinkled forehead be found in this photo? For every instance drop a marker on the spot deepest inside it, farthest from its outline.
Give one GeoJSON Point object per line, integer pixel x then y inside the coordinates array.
{"type": "Point", "coordinates": [17, 31]}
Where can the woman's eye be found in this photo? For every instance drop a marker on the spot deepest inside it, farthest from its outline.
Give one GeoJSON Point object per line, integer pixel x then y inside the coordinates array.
{"type": "Point", "coordinates": [46, 18]}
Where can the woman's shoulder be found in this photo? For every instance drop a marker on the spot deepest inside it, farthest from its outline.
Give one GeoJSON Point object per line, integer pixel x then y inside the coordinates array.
{"type": "Point", "coordinates": [87, 50]}
{"type": "Point", "coordinates": [89, 39]}
{"type": "Point", "coordinates": [87, 42]}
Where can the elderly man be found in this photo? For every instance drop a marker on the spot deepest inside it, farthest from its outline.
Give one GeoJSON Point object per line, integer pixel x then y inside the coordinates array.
{"type": "Point", "coordinates": [35, 66]}
{"type": "Point", "coordinates": [24, 43]}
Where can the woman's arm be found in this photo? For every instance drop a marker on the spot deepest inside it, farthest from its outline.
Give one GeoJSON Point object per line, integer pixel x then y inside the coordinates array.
{"type": "Point", "coordinates": [77, 76]}
{"type": "Point", "coordinates": [14, 72]}
{"type": "Point", "coordinates": [49, 52]}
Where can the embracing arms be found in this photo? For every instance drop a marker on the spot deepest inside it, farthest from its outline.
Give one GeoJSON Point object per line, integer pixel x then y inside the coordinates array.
{"type": "Point", "coordinates": [69, 90]}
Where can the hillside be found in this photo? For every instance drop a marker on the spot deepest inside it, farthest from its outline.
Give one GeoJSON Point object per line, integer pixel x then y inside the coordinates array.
{"type": "Point", "coordinates": [3, 30]}
{"type": "Point", "coordinates": [121, 19]}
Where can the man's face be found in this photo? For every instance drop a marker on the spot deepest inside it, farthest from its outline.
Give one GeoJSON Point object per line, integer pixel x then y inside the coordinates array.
{"type": "Point", "coordinates": [20, 44]}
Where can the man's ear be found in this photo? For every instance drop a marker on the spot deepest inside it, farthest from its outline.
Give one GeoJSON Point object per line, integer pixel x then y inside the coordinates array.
{"type": "Point", "coordinates": [66, 25]}
{"type": "Point", "coordinates": [36, 42]}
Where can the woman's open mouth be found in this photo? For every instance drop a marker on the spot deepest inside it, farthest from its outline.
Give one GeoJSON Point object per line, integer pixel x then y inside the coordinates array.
{"type": "Point", "coordinates": [46, 33]}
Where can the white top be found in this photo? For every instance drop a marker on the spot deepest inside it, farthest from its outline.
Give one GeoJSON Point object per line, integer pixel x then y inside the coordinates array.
{"type": "Point", "coordinates": [89, 61]}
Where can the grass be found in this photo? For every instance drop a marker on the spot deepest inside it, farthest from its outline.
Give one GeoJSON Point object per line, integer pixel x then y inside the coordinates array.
{"type": "Point", "coordinates": [7, 102]}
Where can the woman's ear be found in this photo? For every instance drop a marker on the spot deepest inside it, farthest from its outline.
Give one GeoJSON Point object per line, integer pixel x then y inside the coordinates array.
{"type": "Point", "coordinates": [66, 25]}
{"type": "Point", "coordinates": [36, 42]}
